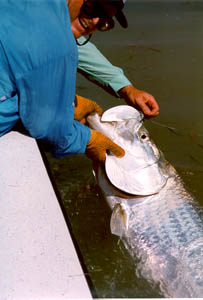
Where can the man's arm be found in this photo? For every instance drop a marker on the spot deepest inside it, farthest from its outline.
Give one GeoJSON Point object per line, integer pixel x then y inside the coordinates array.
{"type": "Point", "coordinates": [93, 65]}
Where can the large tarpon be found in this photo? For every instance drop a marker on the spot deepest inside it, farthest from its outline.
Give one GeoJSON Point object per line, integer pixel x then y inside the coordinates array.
{"type": "Point", "coordinates": [158, 220]}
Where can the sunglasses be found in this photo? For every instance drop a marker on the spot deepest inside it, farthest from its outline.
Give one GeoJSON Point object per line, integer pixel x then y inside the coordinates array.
{"type": "Point", "coordinates": [92, 9]}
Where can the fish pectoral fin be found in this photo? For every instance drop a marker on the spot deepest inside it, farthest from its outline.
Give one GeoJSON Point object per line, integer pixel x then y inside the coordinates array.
{"type": "Point", "coordinates": [119, 220]}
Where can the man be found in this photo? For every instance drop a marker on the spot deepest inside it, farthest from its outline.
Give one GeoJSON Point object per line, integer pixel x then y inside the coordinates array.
{"type": "Point", "coordinates": [38, 59]}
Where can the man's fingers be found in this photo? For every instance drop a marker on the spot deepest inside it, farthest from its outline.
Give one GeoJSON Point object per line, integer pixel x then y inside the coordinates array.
{"type": "Point", "coordinates": [99, 144]}
{"type": "Point", "coordinates": [115, 149]}
{"type": "Point", "coordinates": [98, 109]}
{"type": "Point", "coordinates": [84, 107]}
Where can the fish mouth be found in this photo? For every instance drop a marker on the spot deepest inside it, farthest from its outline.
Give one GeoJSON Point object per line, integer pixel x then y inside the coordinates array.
{"type": "Point", "coordinates": [134, 173]}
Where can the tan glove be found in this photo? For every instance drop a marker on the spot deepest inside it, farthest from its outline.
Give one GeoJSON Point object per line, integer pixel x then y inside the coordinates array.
{"type": "Point", "coordinates": [99, 144]}
{"type": "Point", "coordinates": [84, 107]}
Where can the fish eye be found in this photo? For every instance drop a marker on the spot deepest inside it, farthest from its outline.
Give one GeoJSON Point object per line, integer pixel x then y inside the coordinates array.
{"type": "Point", "coordinates": [143, 136]}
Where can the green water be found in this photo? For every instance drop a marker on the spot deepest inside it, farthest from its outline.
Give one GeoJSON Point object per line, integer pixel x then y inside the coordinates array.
{"type": "Point", "coordinates": [162, 53]}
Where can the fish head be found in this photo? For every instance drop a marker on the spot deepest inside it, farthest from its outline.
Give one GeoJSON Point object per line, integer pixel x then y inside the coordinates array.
{"type": "Point", "coordinates": [138, 172]}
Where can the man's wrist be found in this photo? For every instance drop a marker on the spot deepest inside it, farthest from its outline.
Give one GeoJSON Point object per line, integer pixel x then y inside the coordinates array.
{"type": "Point", "coordinates": [125, 90]}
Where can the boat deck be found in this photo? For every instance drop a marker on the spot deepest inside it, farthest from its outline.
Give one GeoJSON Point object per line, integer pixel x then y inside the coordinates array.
{"type": "Point", "coordinates": [37, 254]}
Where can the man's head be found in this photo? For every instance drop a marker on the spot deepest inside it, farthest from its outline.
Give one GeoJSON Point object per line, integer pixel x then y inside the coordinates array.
{"type": "Point", "coordinates": [88, 16]}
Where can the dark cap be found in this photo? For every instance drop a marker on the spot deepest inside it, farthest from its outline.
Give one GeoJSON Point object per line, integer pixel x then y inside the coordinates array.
{"type": "Point", "coordinates": [119, 4]}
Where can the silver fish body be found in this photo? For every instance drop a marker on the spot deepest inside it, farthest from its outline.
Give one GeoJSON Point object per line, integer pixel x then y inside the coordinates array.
{"type": "Point", "coordinates": [161, 228]}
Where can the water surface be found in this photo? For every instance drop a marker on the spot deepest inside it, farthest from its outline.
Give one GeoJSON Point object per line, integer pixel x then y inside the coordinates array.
{"type": "Point", "coordinates": [162, 53]}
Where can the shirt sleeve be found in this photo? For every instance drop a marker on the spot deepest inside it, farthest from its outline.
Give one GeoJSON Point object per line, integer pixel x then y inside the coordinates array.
{"type": "Point", "coordinates": [47, 108]}
{"type": "Point", "coordinates": [93, 65]}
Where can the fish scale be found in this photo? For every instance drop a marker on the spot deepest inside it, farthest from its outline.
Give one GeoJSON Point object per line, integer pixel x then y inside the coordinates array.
{"type": "Point", "coordinates": [167, 232]}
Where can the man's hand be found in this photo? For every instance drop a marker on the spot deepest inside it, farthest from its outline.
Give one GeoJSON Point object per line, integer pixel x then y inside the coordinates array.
{"type": "Point", "coordinates": [84, 107]}
{"type": "Point", "coordinates": [99, 144]}
{"type": "Point", "coordinates": [140, 100]}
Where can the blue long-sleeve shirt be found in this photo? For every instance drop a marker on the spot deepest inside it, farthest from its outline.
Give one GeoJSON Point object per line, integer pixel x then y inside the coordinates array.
{"type": "Point", "coordinates": [38, 61]}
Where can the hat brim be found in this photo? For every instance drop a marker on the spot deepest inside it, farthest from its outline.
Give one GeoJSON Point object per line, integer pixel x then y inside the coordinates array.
{"type": "Point", "coordinates": [121, 19]}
